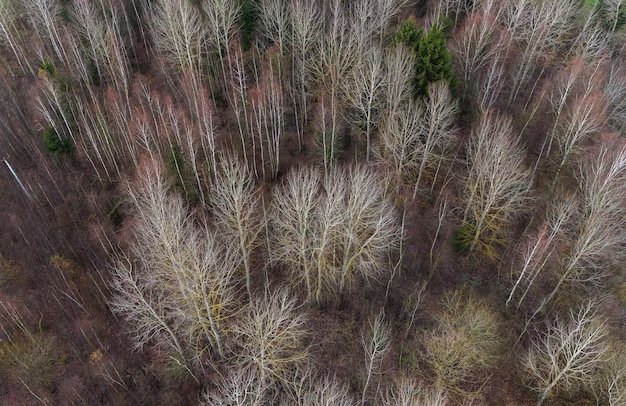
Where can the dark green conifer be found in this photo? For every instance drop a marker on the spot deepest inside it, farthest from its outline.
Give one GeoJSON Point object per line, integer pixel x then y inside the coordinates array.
{"type": "Point", "coordinates": [433, 62]}
{"type": "Point", "coordinates": [432, 59]}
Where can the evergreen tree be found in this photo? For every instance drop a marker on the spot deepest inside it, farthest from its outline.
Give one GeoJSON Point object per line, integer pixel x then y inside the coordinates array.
{"type": "Point", "coordinates": [432, 59]}
{"type": "Point", "coordinates": [433, 62]}
{"type": "Point", "coordinates": [408, 34]}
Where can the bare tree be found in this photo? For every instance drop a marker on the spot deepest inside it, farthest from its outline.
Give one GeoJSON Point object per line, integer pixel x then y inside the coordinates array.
{"type": "Point", "coordinates": [539, 27]}
{"type": "Point", "coordinates": [238, 96]}
{"type": "Point", "coordinates": [399, 70]}
{"type": "Point", "coordinates": [498, 181]}
{"type": "Point", "coordinates": [479, 41]}
{"type": "Point", "coordinates": [567, 354]}
{"type": "Point", "coordinates": [177, 279]}
{"type": "Point", "coordinates": [235, 204]}
{"type": "Point", "coordinates": [44, 19]}
{"type": "Point", "coordinates": [370, 227]}
{"type": "Point", "coordinates": [438, 114]}
{"type": "Point", "coordinates": [615, 96]}
{"type": "Point", "coordinates": [221, 16]}
{"type": "Point", "coordinates": [376, 344]}
{"type": "Point", "coordinates": [179, 34]}
{"type": "Point", "coordinates": [92, 30]}
{"type": "Point", "coordinates": [295, 224]}
{"type": "Point", "coordinates": [385, 11]}
{"type": "Point", "coordinates": [463, 345]}
{"type": "Point", "coordinates": [267, 120]}
{"type": "Point", "coordinates": [564, 87]}
{"type": "Point", "coordinates": [399, 143]}
{"type": "Point", "coordinates": [599, 234]}
{"type": "Point", "coordinates": [337, 52]}
{"type": "Point", "coordinates": [274, 22]}
{"type": "Point", "coordinates": [270, 337]}
{"type": "Point", "coordinates": [328, 231]}
{"type": "Point", "coordinates": [309, 390]}
{"type": "Point", "coordinates": [142, 309]}
{"type": "Point", "coordinates": [9, 32]}
{"type": "Point", "coordinates": [593, 41]}
{"type": "Point", "coordinates": [541, 244]}
{"type": "Point", "coordinates": [241, 387]}
{"type": "Point", "coordinates": [364, 91]}
{"type": "Point", "coordinates": [361, 21]}
{"type": "Point", "coordinates": [453, 8]}
{"type": "Point", "coordinates": [615, 376]}
{"type": "Point", "coordinates": [409, 392]}
{"type": "Point", "coordinates": [490, 83]}
{"type": "Point", "coordinates": [614, 11]}
{"type": "Point", "coordinates": [306, 26]}
{"type": "Point", "coordinates": [419, 136]}
{"type": "Point", "coordinates": [585, 118]}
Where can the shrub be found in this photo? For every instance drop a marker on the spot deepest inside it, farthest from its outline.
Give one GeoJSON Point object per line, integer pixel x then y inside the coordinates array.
{"type": "Point", "coordinates": [463, 237]}
{"type": "Point", "coordinates": [48, 67]}
{"type": "Point", "coordinates": [463, 345]}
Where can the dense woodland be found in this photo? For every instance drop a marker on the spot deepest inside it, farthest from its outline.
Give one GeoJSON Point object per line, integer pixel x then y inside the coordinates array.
{"type": "Point", "coordinates": [312, 202]}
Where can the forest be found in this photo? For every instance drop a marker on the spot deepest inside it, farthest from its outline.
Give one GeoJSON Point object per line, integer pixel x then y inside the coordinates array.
{"type": "Point", "coordinates": [313, 202]}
